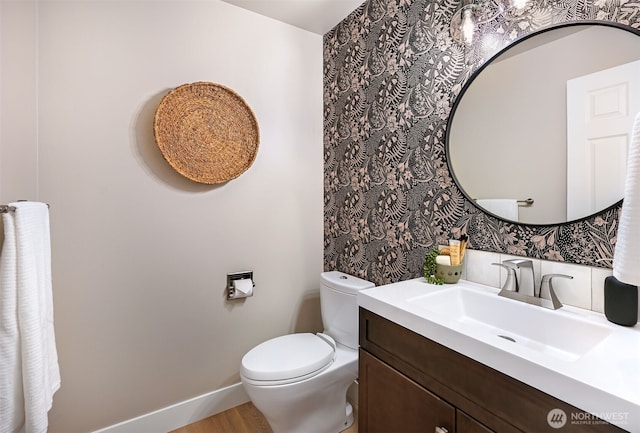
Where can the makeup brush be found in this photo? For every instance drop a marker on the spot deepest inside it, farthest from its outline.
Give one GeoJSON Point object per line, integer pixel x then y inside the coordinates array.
{"type": "Point", "coordinates": [464, 239]}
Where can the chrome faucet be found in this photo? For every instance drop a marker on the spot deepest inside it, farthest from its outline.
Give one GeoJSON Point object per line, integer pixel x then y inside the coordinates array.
{"type": "Point", "coordinates": [523, 287]}
{"type": "Point", "coordinates": [526, 276]}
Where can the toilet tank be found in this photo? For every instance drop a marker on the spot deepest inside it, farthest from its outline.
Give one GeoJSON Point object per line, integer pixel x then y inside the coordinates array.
{"type": "Point", "coordinates": [339, 304]}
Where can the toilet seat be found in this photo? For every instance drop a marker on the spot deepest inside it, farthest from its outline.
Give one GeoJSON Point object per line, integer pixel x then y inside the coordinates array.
{"type": "Point", "coordinates": [287, 359]}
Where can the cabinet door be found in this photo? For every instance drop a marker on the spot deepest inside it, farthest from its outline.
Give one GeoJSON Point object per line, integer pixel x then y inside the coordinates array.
{"type": "Point", "coordinates": [391, 402]}
{"type": "Point", "coordinates": [466, 424]}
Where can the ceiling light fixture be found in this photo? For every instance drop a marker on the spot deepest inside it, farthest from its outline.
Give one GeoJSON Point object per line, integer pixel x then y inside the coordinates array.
{"type": "Point", "coordinates": [466, 20]}
{"type": "Point", "coordinates": [518, 4]}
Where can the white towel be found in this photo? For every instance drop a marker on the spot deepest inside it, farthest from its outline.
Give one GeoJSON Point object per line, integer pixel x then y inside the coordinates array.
{"type": "Point", "coordinates": [29, 372]}
{"type": "Point", "coordinates": [627, 250]}
{"type": "Point", "coordinates": [502, 207]}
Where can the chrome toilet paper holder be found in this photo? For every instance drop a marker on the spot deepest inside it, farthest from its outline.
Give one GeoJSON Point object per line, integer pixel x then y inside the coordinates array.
{"type": "Point", "coordinates": [232, 293]}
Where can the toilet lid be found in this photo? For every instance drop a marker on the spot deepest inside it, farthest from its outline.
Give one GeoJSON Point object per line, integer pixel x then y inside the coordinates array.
{"type": "Point", "coordinates": [288, 357]}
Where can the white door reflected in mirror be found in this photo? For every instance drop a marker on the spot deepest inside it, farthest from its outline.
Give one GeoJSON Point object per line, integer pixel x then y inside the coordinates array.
{"type": "Point", "coordinates": [600, 112]}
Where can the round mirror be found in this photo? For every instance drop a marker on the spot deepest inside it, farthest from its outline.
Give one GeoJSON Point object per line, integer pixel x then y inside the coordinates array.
{"type": "Point", "coordinates": [540, 132]}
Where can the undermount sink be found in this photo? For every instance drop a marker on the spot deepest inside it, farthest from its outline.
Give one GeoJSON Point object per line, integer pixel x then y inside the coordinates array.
{"type": "Point", "coordinates": [536, 328]}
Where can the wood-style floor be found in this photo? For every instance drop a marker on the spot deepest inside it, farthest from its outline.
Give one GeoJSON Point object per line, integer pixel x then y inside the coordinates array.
{"type": "Point", "coordinates": [242, 419]}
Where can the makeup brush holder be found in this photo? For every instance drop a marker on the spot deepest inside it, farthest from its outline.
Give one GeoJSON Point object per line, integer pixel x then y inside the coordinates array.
{"type": "Point", "coordinates": [450, 274]}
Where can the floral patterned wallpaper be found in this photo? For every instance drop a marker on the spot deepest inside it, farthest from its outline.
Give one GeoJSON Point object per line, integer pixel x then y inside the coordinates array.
{"type": "Point", "coordinates": [391, 75]}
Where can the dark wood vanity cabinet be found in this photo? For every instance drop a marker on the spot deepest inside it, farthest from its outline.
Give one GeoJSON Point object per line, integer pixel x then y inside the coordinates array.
{"type": "Point", "coordinates": [409, 383]}
{"type": "Point", "coordinates": [395, 403]}
{"type": "Point", "coordinates": [390, 402]}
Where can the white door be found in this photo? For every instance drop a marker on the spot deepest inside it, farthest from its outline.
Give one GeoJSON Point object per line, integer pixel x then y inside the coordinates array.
{"type": "Point", "coordinates": [601, 108]}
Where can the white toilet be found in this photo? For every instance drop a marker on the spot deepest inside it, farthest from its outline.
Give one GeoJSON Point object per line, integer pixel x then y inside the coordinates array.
{"type": "Point", "coordinates": [299, 381]}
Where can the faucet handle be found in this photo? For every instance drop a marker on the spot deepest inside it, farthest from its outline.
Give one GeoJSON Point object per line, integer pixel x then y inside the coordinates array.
{"type": "Point", "coordinates": [511, 283]}
{"type": "Point", "coordinates": [519, 263]}
{"type": "Point", "coordinates": [547, 284]}
{"type": "Point", "coordinates": [509, 264]}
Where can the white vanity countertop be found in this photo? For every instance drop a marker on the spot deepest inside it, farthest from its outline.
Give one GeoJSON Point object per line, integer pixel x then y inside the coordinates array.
{"type": "Point", "coordinates": [604, 381]}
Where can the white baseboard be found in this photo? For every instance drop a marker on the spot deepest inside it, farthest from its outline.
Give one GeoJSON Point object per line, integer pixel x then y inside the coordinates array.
{"type": "Point", "coordinates": [183, 413]}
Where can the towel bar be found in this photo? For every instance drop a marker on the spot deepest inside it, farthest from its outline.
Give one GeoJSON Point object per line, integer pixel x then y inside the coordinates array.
{"type": "Point", "coordinates": [4, 208]}
{"type": "Point", "coordinates": [527, 202]}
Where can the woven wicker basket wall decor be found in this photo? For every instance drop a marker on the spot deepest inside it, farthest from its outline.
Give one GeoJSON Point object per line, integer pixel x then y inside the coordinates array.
{"type": "Point", "coordinates": [206, 132]}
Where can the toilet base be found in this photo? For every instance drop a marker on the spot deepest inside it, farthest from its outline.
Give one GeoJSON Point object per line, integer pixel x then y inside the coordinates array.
{"type": "Point", "coordinates": [326, 420]}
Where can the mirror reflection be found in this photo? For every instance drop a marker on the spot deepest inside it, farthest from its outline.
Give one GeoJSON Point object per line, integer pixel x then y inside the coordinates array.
{"type": "Point", "coordinates": [549, 119]}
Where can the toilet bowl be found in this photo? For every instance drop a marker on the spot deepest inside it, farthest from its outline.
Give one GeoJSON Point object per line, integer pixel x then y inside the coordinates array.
{"type": "Point", "coordinates": [299, 381]}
